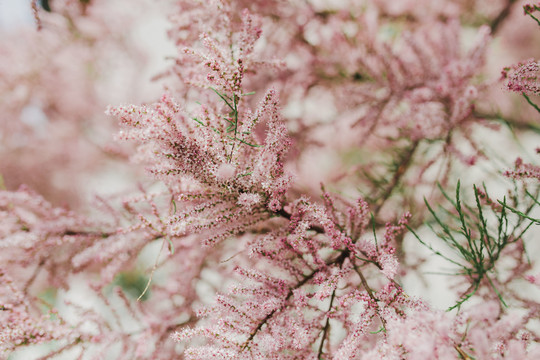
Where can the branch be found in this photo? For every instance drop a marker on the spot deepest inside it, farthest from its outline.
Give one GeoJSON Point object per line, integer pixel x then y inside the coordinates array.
{"type": "Point", "coordinates": [496, 23]}
{"type": "Point", "coordinates": [339, 260]}
{"type": "Point", "coordinates": [398, 175]}
{"type": "Point", "coordinates": [287, 216]}
{"type": "Point", "coordinates": [512, 123]}
{"type": "Point", "coordinates": [269, 316]}
{"type": "Point", "coordinates": [371, 295]}
{"type": "Point", "coordinates": [35, 12]}
{"type": "Point", "coordinates": [327, 325]}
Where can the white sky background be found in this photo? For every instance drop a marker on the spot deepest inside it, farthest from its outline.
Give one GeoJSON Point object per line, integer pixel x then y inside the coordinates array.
{"type": "Point", "coordinates": [14, 12]}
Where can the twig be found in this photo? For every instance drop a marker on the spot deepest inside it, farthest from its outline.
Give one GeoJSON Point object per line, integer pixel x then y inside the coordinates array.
{"type": "Point", "coordinates": [398, 175]}
{"type": "Point", "coordinates": [326, 325]}
{"type": "Point", "coordinates": [371, 295]}
{"type": "Point", "coordinates": [339, 260]}
{"type": "Point", "coordinates": [35, 11]}
{"type": "Point", "coordinates": [496, 23]}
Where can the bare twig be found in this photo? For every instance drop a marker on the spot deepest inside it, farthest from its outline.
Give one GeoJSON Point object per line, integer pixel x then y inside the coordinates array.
{"type": "Point", "coordinates": [496, 23]}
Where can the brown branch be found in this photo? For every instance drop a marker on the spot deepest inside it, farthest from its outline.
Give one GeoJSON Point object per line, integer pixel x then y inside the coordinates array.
{"type": "Point", "coordinates": [70, 232]}
{"type": "Point", "coordinates": [35, 11]}
{"type": "Point", "coordinates": [512, 123]}
{"type": "Point", "coordinates": [371, 295]}
{"type": "Point", "coordinates": [339, 260]}
{"type": "Point", "coordinates": [269, 316]}
{"type": "Point", "coordinates": [287, 216]}
{"type": "Point", "coordinates": [505, 12]}
{"type": "Point", "coordinates": [66, 347]}
{"type": "Point", "coordinates": [463, 355]}
{"type": "Point", "coordinates": [405, 161]}
{"type": "Point", "coordinates": [33, 277]}
{"type": "Point", "coordinates": [326, 325]}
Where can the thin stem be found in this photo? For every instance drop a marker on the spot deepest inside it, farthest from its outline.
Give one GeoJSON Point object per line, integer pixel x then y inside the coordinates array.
{"type": "Point", "coordinates": [505, 12]}
{"type": "Point", "coordinates": [512, 123]}
{"type": "Point", "coordinates": [33, 277]}
{"type": "Point", "coordinates": [398, 175]}
{"type": "Point", "coordinates": [62, 349]}
{"type": "Point", "coordinates": [531, 102]}
{"type": "Point", "coordinates": [35, 11]}
{"type": "Point", "coordinates": [532, 16]}
{"type": "Point", "coordinates": [339, 260]}
{"type": "Point", "coordinates": [269, 316]}
{"type": "Point", "coordinates": [235, 113]}
{"type": "Point", "coordinates": [462, 353]}
{"type": "Point", "coordinates": [287, 216]}
{"type": "Point", "coordinates": [371, 295]}
{"type": "Point", "coordinates": [152, 272]}
{"type": "Point", "coordinates": [326, 326]}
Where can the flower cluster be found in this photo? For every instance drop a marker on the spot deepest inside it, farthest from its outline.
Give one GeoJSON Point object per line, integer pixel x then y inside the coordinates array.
{"type": "Point", "coordinates": [523, 78]}
{"type": "Point", "coordinates": [321, 255]}
{"type": "Point", "coordinates": [524, 170]}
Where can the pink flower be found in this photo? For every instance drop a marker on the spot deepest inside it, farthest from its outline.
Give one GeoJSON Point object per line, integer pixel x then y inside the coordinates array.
{"type": "Point", "coordinates": [523, 77]}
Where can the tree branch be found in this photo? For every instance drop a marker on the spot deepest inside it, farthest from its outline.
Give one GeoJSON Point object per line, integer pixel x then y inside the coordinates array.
{"type": "Point", "coordinates": [505, 12]}
{"type": "Point", "coordinates": [326, 325]}
{"type": "Point", "coordinates": [405, 161]}
{"type": "Point", "coordinates": [339, 260]}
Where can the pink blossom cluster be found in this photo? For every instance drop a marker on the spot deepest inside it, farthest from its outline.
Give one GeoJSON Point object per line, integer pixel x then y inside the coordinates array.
{"type": "Point", "coordinates": [531, 8]}
{"type": "Point", "coordinates": [523, 78]}
{"type": "Point", "coordinates": [55, 85]}
{"type": "Point", "coordinates": [524, 170]}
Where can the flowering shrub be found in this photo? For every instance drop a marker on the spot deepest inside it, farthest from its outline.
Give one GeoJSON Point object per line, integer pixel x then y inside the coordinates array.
{"type": "Point", "coordinates": [307, 165]}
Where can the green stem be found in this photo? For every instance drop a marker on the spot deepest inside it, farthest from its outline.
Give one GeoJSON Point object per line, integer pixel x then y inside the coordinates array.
{"type": "Point", "coordinates": [530, 102]}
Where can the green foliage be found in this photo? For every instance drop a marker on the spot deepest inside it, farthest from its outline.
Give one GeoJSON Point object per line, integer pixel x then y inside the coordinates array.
{"type": "Point", "coordinates": [134, 284]}
{"type": "Point", "coordinates": [477, 234]}
{"type": "Point", "coordinates": [232, 121]}
{"type": "Point", "coordinates": [529, 9]}
{"type": "Point", "coordinates": [48, 300]}
{"type": "Point", "coordinates": [531, 102]}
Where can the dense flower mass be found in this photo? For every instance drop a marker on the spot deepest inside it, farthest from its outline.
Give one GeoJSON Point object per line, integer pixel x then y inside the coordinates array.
{"type": "Point", "coordinates": [287, 192]}
{"type": "Point", "coordinates": [523, 78]}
